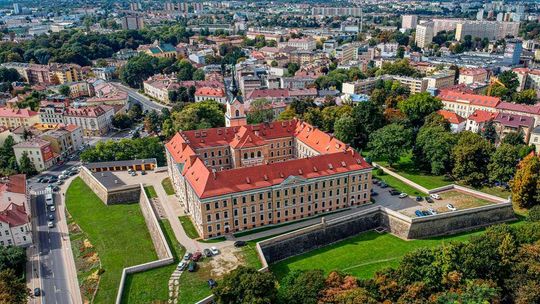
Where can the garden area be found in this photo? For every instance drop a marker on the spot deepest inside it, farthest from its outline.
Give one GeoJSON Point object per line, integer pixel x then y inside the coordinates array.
{"type": "Point", "coordinates": [167, 186]}
{"type": "Point", "coordinates": [117, 233]}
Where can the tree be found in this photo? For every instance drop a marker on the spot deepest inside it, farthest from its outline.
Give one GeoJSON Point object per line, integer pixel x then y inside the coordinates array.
{"type": "Point", "coordinates": [26, 166]}
{"type": "Point", "coordinates": [288, 114]}
{"type": "Point", "coordinates": [345, 129]}
{"type": "Point", "coordinates": [13, 258]}
{"type": "Point", "coordinates": [300, 106]}
{"type": "Point", "coordinates": [390, 142]}
{"type": "Point", "coordinates": [489, 132]}
{"type": "Point", "coordinates": [135, 112]}
{"type": "Point", "coordinates": [302, 287]}
{"type": "Point", "coordinates": [435, 144]}
{"type": "Point", "coordinates": [514, 138]}
{"type": "Point", "coordinates": [152, 122]}
{"type": "Point", "coordinates": [471, 157]}
{"type": "Point", "coordinates": [526, 97]}
{"type": "Point", "coordinates": [503, 164]}
{"type": "Point", "coordinates": [198, 74]}
{"type": "Point", "coordinates": [246, 285]}
{"type": "Point", "coordinates": [292, 68]}
{"type": "Point", "coordinates": [64, 90]}
{"type": "Point", "coordinates": [260, 110]}
{"type": "Point", "coordinates": [369, 118]}
{"type": "Point", "coordinates": [12, 288]}
{"type": "Point", "coordinates": [400, 52]}
{"type": "Point", "coordinates": [418, 106]}
{"type": "Point", "coordinates": [201, 115]}
{"type": "Point", "coordinates": [124, 149]}
{"type": "Point", "coordinates": [9, 75]}
{"type": "Point", "coordinates": [526, 183]}
{"type": "Point", "coordinates": [121, 121]}
{"type": "Point", "coordinates": [510, 80]}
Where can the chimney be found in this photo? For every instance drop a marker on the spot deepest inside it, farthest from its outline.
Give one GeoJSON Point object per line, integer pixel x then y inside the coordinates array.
{"type": "Point", "coordinates": [214, 173]}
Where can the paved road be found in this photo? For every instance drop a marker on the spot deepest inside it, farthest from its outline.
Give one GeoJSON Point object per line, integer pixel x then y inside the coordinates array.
{"type": "Point", "coordinates": [146, 102]}
{"type": "Point", "coordinates": [52, 257]}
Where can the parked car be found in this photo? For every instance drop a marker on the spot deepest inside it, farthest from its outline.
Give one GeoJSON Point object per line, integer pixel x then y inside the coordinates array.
{"type": "Point", "coordinates": [55, 188]}
{"type": "Point", "coordinates": [63, 177]}
{"type": "Point", "coordinates": [37, 292]}
{"type": "Point", "coordinates": [373, 193]}
{"type": "Point", "coordinates": [429, 200]}
{"type": "Point", "coordinates": [192, 266]}
{"type": "Point", "coordinates": [207, 252]}
{"type": "Point", "coordinates": [187, 256]}
{"type": "Point", "coordinates": [435, 196]}
{"type": "Point", "coordinates": [212, 283]}
{"type": "Point", "coordinates": [40, 180]}
{"type": "Point", "coordinates": [143, 172]}
{"type": "Point", "coordinates": [51, 217]}
{"type": "Point", "coordinates": [133, 173]}
{"type": "Point", "coordinates": [214, 250]}
{"type": "Point", "coordinates": [239, 243]}
{"type": "Point", "coordinates": [432, 211]}
{"type": "Point", "coordinates": [71, 173]}
{"type": "Point", "coordinates": [419, 198]}
{"type": "Point", "coordinates": [451, 207]}
{"type": "Point", "coordinates": [59, 182]}
{"type": "Point", "coordinates": [383, 185]}
{"type": "Point", "coordinates": [394, 192]}
{"type": "Point", "coordinates": [375, 181]}
{"type": "Point", "coordinates": [52, 208]}
{"type": "Point", "coordinates": [196, 256]}
{"type": "Point", "coordinates": [418, 213]}
{"type": "Point", "coordinates": [425, 213]}
{"type": "Point", "coordinates": [50, 224]}
{"type": "Point", "coordinates": [182, 265]}
{"type": "Point", "coordinates": [403, 195]}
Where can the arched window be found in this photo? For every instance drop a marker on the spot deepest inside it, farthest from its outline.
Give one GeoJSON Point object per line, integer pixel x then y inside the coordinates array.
{"type": "Point", "coordinates": [252, 155]}
{"type": "Point", "coordinates": [258, 153]}
{"type": "Point", "coordinates": [237, 113]}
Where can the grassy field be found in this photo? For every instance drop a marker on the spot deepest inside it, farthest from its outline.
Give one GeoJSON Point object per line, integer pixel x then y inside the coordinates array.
{"type": "Point", "coordinates": [152, 285]}
{"type": "Point", "coordinates": [406, 168]}
{"type": "Point", "coordinates": [150, 191]}
{"type": "Point", "coordinates": [167, 186]}
{"type": "Point", "coordinates": [188, 226]}
{"type": "Point", "coordinates": [363, 254]}
{"type": "Point", "coordinates": [118, 233]}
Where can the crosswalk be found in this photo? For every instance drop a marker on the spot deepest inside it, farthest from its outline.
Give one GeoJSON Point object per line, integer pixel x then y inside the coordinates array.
{"type": "Point", "coordinates": [40, 192]}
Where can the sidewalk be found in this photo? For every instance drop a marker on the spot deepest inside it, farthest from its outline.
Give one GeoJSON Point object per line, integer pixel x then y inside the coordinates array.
{"type": "Point", "coordinates": [69, 260]}
{"type": "Point", "coordinates": [33, 280]}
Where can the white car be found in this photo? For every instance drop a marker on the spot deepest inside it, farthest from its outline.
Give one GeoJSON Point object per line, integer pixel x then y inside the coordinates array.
{"type": "Point", "coordinates": [52, 208]}
{"type": "Point", "coordinates": [435, 196]}
{"type": "Point", "coordinates": [62, 177]}
{"type": "Point", "coordinates": [182, 265]}
{"type": "Point", "coordinates": [451, 207]}
{"type": "Point", "coordinates": [214, 250]}
{"type": "Point", "coordinates": [432, 211]}
{"type": "Point", "coordinates": [403, 195]}
{"type": "Point", "coordinates": [50, 224]}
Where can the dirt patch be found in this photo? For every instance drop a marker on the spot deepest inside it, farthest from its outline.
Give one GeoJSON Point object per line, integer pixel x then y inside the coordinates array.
{"type": "Point", "coordinates": [227, 260]}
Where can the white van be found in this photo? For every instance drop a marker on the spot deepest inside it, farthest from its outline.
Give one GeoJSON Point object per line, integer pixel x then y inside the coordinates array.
{"type": "Point", "coordinates": [49, 199]}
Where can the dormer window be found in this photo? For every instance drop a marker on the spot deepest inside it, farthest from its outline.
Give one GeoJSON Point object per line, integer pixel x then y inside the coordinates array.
{"type": "Point", "coordinates": [237, 113]}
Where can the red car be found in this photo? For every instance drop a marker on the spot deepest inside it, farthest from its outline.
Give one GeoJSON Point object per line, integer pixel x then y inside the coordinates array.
{"type": "Point", "coordinates": [196, 256]}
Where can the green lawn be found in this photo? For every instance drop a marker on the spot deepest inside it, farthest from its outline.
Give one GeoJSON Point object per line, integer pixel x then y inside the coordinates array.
{"type": "Point", "coordinates": [150, 191]}
{"type": "Point", "coordinates": [118, 233]}
{"type": "Point", "coordinates": [406, 168]}
{"type": "Point", "coordinates": [152, 285]}
{"type": "Point", "coordinates": [397, 184]}
{"type": "Point", "coordinates": [188, 226]}
{"type": "Point", "coordinates": [214, 240]}
{"type": "Point", "coordinates": [364, 254]}
{"type": "Point", "coordinates": [167, 186]}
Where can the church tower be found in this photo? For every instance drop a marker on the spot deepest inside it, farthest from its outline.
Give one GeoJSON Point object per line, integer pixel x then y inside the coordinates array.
{"type": "Point", "coordinates": [236, 113]}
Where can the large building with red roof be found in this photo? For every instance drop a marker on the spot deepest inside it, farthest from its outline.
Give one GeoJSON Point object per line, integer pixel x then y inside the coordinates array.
{"type": "Point", "coordinates": [464, 104]}
{"type": "Point", "coordinates": [14, 216]}
{"type": "Point", "coordinates": [241, 177]}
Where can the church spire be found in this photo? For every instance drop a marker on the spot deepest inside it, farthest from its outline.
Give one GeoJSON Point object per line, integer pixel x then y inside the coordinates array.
{"type": "Point", "coordinates": [232, 87]}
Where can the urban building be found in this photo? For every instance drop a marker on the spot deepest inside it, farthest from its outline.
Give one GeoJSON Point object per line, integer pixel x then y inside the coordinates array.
{"type": "Point", "coordinates": [472, 75]}
{"type": "Point", "coordinates": [528, 79]}
{"type": "Point", "coordinates": [14, 118]}
{"type": "Point", "coordinates": [158, 49]}
{"type": "Point", "coordinates": [457, 123]}
{"type": "Point", "coordinates": [304, 43]}
{"type": "Point", "coordinates": [210, 93]}
{"type": "Point", "coordinates": [535, 139]}
{"type": "Point", "coordinates": [464, 104]}
{"type": "Point", "coordinates": [415, 85]}
{"type": "Point", "coordinates": [512, 123]}
{"type": "Point", "coordinates": [337, 11]}
{"type": "Point", "coordinates": [95, 121]}
{"type": "Point", "coordinates": [486, 29]}
{"type": "Point", "coordinates": [441, 80]}
{"type": "Point", "coordinates": [132, 23]}
{"type": "Point", "coordinates": [15, 227]}
{"type": "Point", "coordinates": [477, 120]}
{"type": "Point", "coordinates": [409, 22]}
{"type": "Point", "coordinates": [38, 150]}
{"type": "Point", "coordinates": [217, 173]}
{"type": "Point", "coordinates": [424, 34]}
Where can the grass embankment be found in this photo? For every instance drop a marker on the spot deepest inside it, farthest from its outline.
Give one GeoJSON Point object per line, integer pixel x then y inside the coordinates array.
{"type": "Point", "coordinates": [167, 186]}
{"type": "Point", "coordinates": [362, 255]}
{"type": "Point", "coordinates": [117, 232]}
{"type": "Point", "coordinates": [189, 227]}
{"type": "Point", "coordinates": [153, 285]}
{"type": "Point", "coordinates": [150, 191]}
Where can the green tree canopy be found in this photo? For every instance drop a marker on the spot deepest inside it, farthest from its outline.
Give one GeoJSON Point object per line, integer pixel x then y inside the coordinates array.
{"type": "Point", "coordinates": [471, 157]}
{"type": "Point", "coordinates": [390, 142]}
{"type": "Point", "coordinates": [418, 106]}
{"type": "Point", "coordinates": [246, 285]}
{"type": "Point", "coordinates": [200, 115]}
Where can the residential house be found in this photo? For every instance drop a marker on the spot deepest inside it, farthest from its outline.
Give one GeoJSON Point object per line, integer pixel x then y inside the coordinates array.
{"type": "Point", "coordinates": [535, 139]}
{"type": "Point", "coordinates": [15, 226]}
{"type": "Point", "coordinates": [476, 121]}
{"type": "Point", "coordinates": [38, 150]}
{"type": "Point", "coordinates": [95, 121]}
{"type": "Point", "coordinates": [13, 118]}
{"type": "Point", "coordinates": [457, 123]}
{"type": "Point", "coordinates": [464, 104]}
{"type": "Point", "coordinates": [508, 123]}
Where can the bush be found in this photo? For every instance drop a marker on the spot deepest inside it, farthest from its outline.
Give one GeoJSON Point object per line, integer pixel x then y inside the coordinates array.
{"type": "Point", "coordinates": [379, 172]}
{"type": "Point", "coordinates": [534, 214]}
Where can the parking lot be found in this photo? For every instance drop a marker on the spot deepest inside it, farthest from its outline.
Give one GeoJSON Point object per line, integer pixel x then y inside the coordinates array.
{"type": "Point", "coordinates": [385, 199]}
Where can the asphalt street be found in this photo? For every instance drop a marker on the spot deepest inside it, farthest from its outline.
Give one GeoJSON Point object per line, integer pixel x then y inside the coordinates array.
{"type": "Point", "coordinates": [135, 96]}
{"type": "Point", "coordinates": [54, 281]}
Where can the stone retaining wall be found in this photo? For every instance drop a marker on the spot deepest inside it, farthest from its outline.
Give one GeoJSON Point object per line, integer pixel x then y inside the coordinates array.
{"type": "Point", "coordinates": [118, 195]}
{"type": "Point", "coordinates": [94, 184]}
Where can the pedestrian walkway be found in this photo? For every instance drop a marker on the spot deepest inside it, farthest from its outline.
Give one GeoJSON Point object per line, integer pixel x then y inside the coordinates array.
{"type": "Point", "coordinates": [174, 286]}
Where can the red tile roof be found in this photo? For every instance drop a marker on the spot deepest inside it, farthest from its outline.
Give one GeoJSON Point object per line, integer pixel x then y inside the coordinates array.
{"type": "Point", "coordinates": [15, 184]}
{"type": "Point", "coordinates": [474, 99]}
{"type": "Point", "coordinates": [516, 107]}
{"type": "Point", "coordinates": [473, 72]}
{"type": "Point", "coordinates": [335, 157]}
{"type": "Point", "coordinates": [16, 113]}
{"type": "Point", "coordinates": [480, 116]}
{"type": "Point", "coordinates": [512, 120]}
{"type": "Point", "coordinates": [14, 215]}
{"type": "Point", "coordinates": [210, 91]}
{"type": "Point", "coordinates": [451, 117]}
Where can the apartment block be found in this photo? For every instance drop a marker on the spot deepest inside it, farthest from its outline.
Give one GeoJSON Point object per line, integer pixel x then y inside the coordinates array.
{"type": "Point", "coordinates": [219, 175]}
{"type": "Point", "coordinates": [424, 34]}
{"type": "Point", "coordinates": [14, 118]}
{"type": "Point", "coordinates": [409, 22]}
{"type": "Point", "coordinates": [38, 150]}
